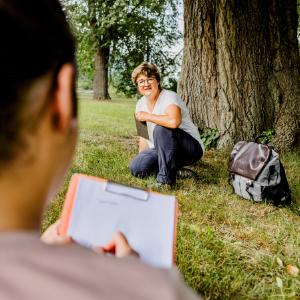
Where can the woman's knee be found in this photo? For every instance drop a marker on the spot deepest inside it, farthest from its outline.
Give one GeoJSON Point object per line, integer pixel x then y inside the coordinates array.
{"type": "Point", "coordinates": [134, 166]}
{"type": "Point", "coordinates": [144, 164]}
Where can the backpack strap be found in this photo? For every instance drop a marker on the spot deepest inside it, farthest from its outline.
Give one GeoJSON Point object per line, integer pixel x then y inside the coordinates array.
{"type": "Point", "coordinates": [249, 184]}
{"type": "Point", "coordinates": [231, 177]}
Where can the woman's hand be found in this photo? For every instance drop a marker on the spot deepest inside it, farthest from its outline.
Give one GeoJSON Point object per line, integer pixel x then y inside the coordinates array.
{"type": "Point", "coordinates": [50, 236]}
{"type": "Point", "coordinates": [142, 116]}
{"type": "Point", "coordinates": [118, 245]}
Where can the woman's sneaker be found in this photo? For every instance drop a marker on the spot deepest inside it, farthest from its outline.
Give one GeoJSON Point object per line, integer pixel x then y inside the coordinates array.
{"type": "Point", "coordinates": [186, 173]}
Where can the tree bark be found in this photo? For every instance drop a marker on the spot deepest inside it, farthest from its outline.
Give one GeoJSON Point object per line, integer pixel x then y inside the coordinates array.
{"type": "Point", "coordinates": [101, 58]}
{"type": "Point", "coordinates": [240, 70]}
{"type": "Point", "coordinates": [101, 74]}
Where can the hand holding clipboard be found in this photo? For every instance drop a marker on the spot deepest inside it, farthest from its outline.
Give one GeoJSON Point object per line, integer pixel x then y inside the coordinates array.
{"type": "Point", "coordinates": [142, 129]}
{"type": "Point", "coordinates": [95, 210]}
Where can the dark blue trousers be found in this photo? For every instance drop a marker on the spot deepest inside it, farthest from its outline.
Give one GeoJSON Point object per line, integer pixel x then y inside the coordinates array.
{"type": "Point", "coordinates": [174, 149]}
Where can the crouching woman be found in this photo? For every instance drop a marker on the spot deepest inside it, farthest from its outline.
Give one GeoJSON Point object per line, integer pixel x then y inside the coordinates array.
{"type": "Point", "coordinates": [174, 141]}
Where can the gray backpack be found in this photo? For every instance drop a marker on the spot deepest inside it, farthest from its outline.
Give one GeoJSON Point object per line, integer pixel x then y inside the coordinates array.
{"type": "Point", "coordinates": [257, 173]}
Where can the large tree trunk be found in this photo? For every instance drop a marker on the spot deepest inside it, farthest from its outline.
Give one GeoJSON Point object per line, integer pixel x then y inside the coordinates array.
{"type": "Point", "coordinates": [240, 70]}
{"type": "Point", "coordinates": [101, 74]}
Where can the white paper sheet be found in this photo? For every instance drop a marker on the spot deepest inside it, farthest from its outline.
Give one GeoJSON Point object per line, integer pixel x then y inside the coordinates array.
{"type": "Point", "coordinates": [148, 225]}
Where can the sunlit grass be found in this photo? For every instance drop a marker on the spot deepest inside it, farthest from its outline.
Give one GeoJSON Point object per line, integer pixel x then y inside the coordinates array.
{"type": "Point", "coordinates": [226, 246]}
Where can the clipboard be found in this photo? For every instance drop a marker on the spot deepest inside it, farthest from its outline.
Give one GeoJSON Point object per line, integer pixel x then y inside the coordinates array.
{"type": "Point", "coordinates": [144, 201]}
{"type": "Point", "coordinates": [142, 129]}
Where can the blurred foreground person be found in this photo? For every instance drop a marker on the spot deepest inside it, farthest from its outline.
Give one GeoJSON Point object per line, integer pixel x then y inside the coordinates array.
{"type": "Point", "coordinates": [38, 133]}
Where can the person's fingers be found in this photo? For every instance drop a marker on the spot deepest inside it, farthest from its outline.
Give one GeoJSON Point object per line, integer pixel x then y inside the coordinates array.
{"type": "Point", "coordinates": [122, 247]}
{"type": "Point", "coordinates": [134, 253]}
{"type": "Point", "coordinates": [56, 224]}
{"type": "Point", "coordinates": [118, 239]}
{"type": "Point", "coordinates": [111, 245]}
{"type": "Point", "coordinates": [57, 240]}
{"type": "Point", "coordinates": [50, 231]}
{"type": "Point", "coordinates": [98, 250]}
{"type": "Point", "coordinates": [138, 117]}
{"type": "Point", "coordinates": [50, 236]}
{"type": "Point", "coordinates": [54, 227]}
{"type": "Point", "coordinates": [120, 244]}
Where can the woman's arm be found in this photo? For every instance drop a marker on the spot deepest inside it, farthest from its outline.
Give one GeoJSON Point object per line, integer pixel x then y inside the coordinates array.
{"type": "Point", "coordinates": [172, 118]}
{"type": "Point", "coordinates": [143, 144]}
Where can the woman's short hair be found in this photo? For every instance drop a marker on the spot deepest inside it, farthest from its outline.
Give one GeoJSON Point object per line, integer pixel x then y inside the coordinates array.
{"type": "Point", "coordinates": [35, 40]}
{"type": "Point", "coordinates": [146, 70]}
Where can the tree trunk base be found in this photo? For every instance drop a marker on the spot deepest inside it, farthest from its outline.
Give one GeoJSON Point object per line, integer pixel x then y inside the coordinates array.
{"type": "Point", "coordinates": [101, 75]}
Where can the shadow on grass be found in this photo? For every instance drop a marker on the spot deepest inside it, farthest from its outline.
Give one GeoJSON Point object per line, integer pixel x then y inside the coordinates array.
{"type": "Point", "coordinates": [212, 167]}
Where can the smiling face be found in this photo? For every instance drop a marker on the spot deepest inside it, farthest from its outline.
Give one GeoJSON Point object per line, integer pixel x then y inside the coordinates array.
{"type": "Point", "coordinates": [149, 89]}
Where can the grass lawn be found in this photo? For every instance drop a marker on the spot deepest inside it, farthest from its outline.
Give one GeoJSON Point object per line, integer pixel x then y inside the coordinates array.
{"type": "Point", "coordinates": [226, 246]}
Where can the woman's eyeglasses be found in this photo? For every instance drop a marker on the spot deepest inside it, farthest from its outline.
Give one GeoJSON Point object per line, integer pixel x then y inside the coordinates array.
{"type": "Point", "coordinates": [142, 82]}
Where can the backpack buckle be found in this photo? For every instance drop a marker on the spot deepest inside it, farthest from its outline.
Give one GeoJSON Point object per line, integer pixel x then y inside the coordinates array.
{"type": "Point", "coordinates": [249, 183]}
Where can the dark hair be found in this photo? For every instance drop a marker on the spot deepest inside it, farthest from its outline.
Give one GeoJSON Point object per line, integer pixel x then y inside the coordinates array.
{"type": "Point", "coordinates": [35, 40]}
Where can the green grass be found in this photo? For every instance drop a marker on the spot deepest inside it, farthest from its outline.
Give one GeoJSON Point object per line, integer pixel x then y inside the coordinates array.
{"type": "Point", "coordinates": [226, 246]}
{"type": "Point", "coordinates": [112, 93]}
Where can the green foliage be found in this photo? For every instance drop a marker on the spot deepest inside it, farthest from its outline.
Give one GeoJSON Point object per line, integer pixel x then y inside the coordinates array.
{"type": "Point", "coordinates": [171, 85]}
{"type": "Point", "coordinates": [115, 79]}
{"type": "Point", "coordinates": [280, 285]}
{"type": "Point", "coordinates": [270, 133]}
{"type": "Point", "coordinates": [86, 83]}
{"type": "Point", "coordinates": [298, 11]}
{"type": "Point", "coordinates": [209, 137]}
{"type": "Point", "coordinates": [130, 32]}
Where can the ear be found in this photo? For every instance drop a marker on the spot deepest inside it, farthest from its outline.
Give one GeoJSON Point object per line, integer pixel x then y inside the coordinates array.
{"type": "Point", "coordinates": [63, 105]}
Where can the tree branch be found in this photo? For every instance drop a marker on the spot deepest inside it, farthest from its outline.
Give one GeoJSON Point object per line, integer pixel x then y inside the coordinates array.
{"type": "Point", "coordinates": [92, 21]}
{"type": "Point", "coordinates": [177, 54]}
{"type": "Point", "coordinates": [132, 11]}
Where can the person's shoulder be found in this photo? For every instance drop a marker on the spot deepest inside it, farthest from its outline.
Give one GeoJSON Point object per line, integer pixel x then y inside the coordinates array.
{"type": "Point", "coordinates": [170, 93]}
{"type": "Point", "coordinates": [112, 272]}
{"type": "Point", "coordinates": [74, 256]}
{"type": "Point", "coordinates": [97, 273]}
{"type": "Point", "coordinates": [170, 97]}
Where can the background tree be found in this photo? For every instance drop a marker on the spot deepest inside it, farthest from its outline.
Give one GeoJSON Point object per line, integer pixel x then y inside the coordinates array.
{"type": "Point", "coordinates": [298, 10]}
{"type": "Point", "coordinates": [240, 70]}
{"type": "Point", "coordinates": [132, 55]}
{"type": "Point", "coordinates": [118, 35]}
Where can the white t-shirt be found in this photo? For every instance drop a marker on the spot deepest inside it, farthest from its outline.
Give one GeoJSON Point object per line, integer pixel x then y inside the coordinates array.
{"type": "Point", "coordinates": [165, 99]}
